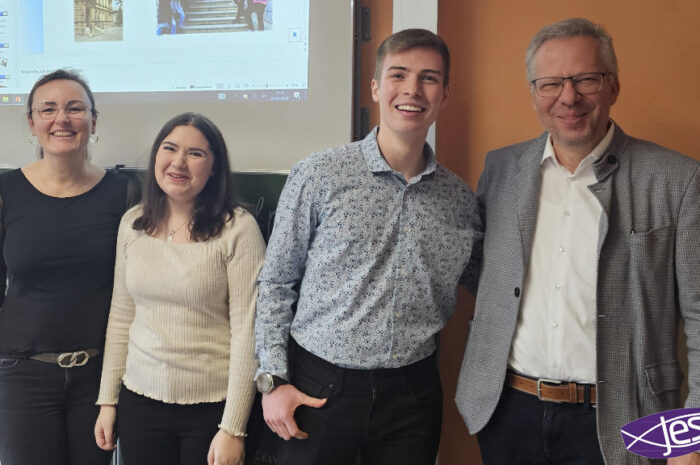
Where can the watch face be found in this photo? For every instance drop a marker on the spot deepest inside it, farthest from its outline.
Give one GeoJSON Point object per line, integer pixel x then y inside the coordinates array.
{"type": "Point", "coordinates": [264, 383]}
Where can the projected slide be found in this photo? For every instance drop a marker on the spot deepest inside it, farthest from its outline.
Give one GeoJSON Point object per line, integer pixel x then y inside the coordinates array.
{"type": "Point", "coordinates": [159, 50]}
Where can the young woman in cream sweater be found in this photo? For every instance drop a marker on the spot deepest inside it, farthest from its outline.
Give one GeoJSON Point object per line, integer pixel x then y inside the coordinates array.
{"type": "Point", "coordinates": [179, 354]}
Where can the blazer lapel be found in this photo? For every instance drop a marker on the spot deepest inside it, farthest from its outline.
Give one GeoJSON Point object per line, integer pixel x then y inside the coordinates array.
{"type": "Point", "coordinates": [527, 187]}
{"type": "Point", "coordinates": [604, 168]}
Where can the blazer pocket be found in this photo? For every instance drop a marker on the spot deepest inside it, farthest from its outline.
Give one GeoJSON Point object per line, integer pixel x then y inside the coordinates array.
{"type": "Point", "coordinates": [663, 377]}
{"type": "Point", "coordinates": [651, 263]}
{"type": "Point", "coordinates": [651, 236]}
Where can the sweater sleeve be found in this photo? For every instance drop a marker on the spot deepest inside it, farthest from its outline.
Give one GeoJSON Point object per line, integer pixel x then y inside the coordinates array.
{"type": "Point", "coordinates": [245, 262]}
{"type": "Point", "coordinates": [121, 314]}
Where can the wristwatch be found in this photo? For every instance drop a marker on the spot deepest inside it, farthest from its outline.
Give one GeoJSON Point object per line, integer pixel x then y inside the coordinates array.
{"type": "Point", "coordinates": [267, 382]}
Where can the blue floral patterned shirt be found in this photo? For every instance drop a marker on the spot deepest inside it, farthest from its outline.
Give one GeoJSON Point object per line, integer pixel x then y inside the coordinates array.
{"type": "Point", "coordinates": [371, 261]}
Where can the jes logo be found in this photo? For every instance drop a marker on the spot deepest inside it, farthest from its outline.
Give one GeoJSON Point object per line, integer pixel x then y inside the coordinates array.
{"type": "Point", "coordinates": [664, 435]}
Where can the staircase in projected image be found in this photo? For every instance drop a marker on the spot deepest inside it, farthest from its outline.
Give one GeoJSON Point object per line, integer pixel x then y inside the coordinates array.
{"type": "Point", "coordinates": [204, 16]}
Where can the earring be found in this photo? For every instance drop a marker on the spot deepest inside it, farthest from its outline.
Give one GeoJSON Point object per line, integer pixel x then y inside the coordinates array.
{"type": "Point", "coordinates": [33, 140]}
{"type": "Point", "coordinates": [94, 137]}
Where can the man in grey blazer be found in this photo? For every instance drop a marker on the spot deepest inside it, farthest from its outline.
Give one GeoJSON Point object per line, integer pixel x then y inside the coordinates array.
{"type": "Point", "coordinates": [591, 258]}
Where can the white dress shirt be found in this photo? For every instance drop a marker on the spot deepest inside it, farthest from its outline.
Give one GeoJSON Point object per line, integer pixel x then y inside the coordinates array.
{"type": "Point", "coordinates": [555, 334]}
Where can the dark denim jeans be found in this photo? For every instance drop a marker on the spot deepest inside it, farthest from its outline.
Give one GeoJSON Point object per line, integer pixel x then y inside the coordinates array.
{"type": "Point", "coordinates": [527, 431]}
{"type": "Point", "coordinates": [386, 416]}
{"type": "Point", "coordinates": [48, 413]}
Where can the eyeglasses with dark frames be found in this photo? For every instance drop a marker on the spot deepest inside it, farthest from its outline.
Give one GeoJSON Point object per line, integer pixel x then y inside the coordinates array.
{"type": "Point", "coordinates": [584, 83]}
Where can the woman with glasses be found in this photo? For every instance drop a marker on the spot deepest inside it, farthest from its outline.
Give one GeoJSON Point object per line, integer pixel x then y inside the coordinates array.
{"type": "Point", "coordinates": [179, 354]}
{"type": "Point", "coordinates": [58, 228]}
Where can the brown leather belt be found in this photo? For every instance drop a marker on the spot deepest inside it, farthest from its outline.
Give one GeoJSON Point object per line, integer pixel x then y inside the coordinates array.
{"type": "Point", "coordinates": [552, 390]}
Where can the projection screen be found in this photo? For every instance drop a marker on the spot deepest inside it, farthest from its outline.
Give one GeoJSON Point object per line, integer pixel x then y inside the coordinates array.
{"type": "Point", "coordinates": [276, 77]}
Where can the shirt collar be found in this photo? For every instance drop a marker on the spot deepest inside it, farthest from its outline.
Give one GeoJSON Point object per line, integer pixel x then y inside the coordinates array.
{"type": "Point", "coordinates": [377, 164]}
{"type": "Point", "coordinates": [596, 153]}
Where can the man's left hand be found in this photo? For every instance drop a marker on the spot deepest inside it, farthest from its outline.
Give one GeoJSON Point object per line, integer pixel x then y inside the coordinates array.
{"type": "Point", "coordinates": [690, 459]}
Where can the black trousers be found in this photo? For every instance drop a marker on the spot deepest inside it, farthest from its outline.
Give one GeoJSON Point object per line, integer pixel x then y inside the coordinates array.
{"type": "Point", "coordinates": [155, 433]}
{"type": "Point", "coordinates": [48, 413]}
{"type": "Point", "coordinates": [527, 431]}
{"type": "Point", "coordinates": [386, 416]}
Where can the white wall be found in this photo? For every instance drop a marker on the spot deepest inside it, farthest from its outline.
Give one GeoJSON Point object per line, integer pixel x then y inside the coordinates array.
{"type": "Point", "coordinates": [417, 13]}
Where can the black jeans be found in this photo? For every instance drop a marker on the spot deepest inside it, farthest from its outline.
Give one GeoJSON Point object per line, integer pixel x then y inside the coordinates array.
{"type": "Point", "coordinates": [48, 413]}
{"type": "Point", "coordinates": [527, 431]}
{"type": "Point", "coordinates": [387, 416]}
{"type": "Point", "coordinates": [155, 433]}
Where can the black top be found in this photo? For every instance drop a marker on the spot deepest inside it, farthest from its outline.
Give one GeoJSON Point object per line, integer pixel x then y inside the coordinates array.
{"type": "Point", "coordinates": [58, 256]}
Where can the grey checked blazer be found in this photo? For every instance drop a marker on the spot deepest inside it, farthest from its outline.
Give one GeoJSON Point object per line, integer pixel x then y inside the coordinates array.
{"type": "Point", "coordinates": [648, 277]}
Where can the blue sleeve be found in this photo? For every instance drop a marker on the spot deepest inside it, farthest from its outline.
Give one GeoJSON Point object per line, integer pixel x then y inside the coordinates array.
{"type": "Point", "coordinates": [283, 271]}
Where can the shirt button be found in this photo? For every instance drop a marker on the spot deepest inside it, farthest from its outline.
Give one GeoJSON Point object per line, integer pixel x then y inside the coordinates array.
{"type": "Point", "coordinates": [395, 357]}
{"type": "Point", "coordinates": [517, 292]}
{"type": "Point", "coordinates": [561, 249]}
{"type": "Point", "coordinates": [398, 314]}
{"type": "Point", "coordinates": [406, 229]}
{"type": "Point", "coordinates": [557, 286]}
{"type": "Point", "coordinates": [555, 325]}
{"type": "Point", "coordinates": [567, 213]}
{"type": "Point", "coordinates": [402, 272]}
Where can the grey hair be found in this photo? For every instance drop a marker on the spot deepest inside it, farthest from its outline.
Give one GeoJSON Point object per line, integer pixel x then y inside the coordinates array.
{"type": "Point", "coordinates": [573, 27]}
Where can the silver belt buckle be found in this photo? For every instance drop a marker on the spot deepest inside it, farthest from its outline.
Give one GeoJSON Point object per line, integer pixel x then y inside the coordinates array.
{"type": "Point", "coordinates": [74, 359]}
{"type": "Point", "coordinates": [548, 381]}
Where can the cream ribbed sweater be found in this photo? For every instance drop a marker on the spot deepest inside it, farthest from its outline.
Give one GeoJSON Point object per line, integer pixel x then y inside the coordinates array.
{"type": "Point", "coordinates": [181, 323]}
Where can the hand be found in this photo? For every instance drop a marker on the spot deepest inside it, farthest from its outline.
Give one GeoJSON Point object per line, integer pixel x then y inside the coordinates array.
{"type": "Point", "coordinates": [279, 407]}
{"type": "Point", "coordinates": [105, 433]}
{"type": "Point", "coordinates": [226, 450]}
{"type": "Point", "coordinates": [690, 459]}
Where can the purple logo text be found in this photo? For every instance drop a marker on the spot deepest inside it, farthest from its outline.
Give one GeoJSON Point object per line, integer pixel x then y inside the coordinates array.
{"type": "Point", "coordinates": [664, 435]}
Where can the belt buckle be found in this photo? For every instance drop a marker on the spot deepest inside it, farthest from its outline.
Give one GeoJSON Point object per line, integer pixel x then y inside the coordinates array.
{"type": "Point", "coordinates": [73, 359]}
{"type": "Point", "coordinates": [548, 381]}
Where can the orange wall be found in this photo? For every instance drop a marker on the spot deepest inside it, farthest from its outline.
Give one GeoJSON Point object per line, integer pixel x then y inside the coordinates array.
{"type": "Point", "coordinates": [658, 48]}
{"type": "Point", "coordinates": [657, 44]}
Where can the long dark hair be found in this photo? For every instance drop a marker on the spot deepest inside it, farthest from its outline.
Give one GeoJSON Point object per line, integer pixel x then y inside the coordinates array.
{"type": "Point", "coordinates": [213, 206]}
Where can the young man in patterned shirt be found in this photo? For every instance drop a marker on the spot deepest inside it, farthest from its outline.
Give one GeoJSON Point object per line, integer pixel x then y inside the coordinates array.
{"type": "Point", "coordinates": [370, 242]}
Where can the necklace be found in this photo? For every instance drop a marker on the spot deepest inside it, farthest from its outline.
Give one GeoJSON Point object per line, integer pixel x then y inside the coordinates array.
{"type": "Point", "coordinates": [171, 232]}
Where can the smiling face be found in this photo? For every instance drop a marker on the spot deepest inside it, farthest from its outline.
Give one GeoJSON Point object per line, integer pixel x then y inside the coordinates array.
{"type": "Point", "coordinates": [62, 136]}
{"type": "Point", "coordinates": [410, 92]}
{"type": "Point", "coordinates": [576, 122]}
{"type": "Point", "coordinates": [183, 164]}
